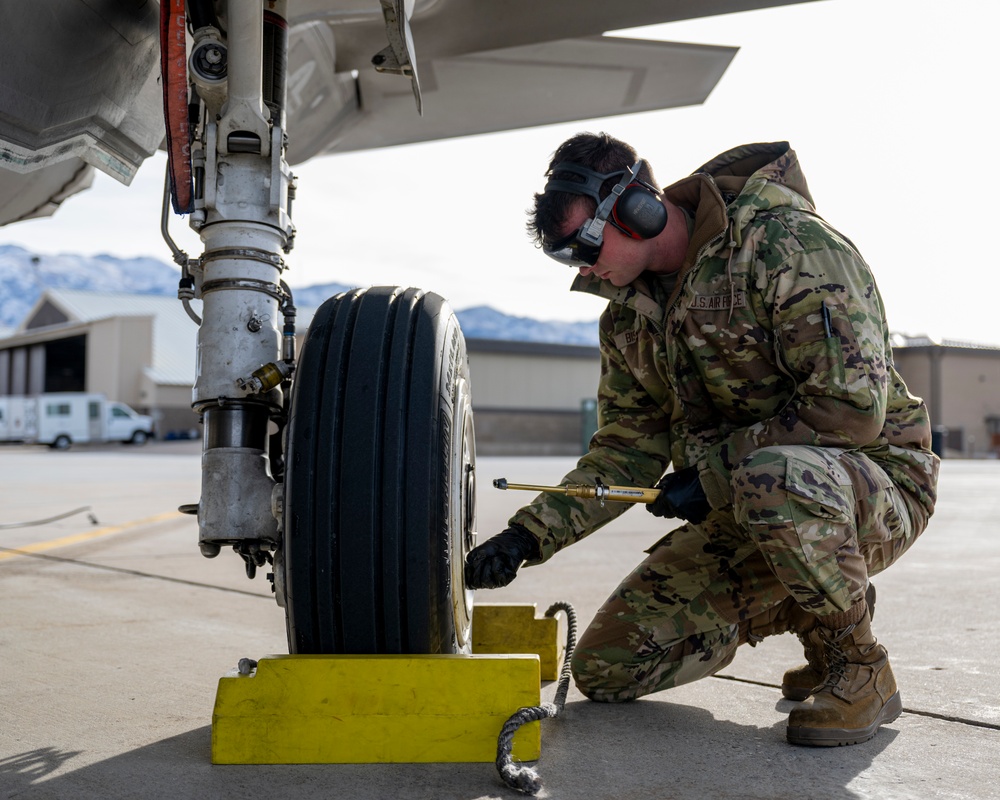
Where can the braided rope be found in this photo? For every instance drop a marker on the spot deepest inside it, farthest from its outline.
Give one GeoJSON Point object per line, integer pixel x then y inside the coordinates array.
{"type": "Point", "coordinates": [525, 779]}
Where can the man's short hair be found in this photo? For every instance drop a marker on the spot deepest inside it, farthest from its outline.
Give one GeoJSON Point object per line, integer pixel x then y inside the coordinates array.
{"type": "Point", "coordinates": [596, 151]}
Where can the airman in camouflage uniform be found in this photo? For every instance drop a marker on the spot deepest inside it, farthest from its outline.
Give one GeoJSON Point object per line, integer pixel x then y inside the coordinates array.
{"type": "Point", "coordinates": [746, 346]}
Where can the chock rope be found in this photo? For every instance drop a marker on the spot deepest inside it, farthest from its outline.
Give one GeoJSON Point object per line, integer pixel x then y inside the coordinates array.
{"type": "Point", "coordinates": [521, 778]}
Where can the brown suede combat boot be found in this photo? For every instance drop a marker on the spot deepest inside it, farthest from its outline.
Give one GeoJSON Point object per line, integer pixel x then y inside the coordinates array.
{"type": "Point", "coordinates": [799, 682]}
{"type": "Point", "coordinates": [858, 693]}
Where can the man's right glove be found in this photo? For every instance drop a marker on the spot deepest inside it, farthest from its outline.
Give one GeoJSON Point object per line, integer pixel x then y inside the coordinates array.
{"type": "Point", "coordinates": [495, 562]}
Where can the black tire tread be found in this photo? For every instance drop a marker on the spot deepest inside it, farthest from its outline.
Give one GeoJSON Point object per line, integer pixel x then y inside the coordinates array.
{"type": "Point", "coordinates": [365, 503]}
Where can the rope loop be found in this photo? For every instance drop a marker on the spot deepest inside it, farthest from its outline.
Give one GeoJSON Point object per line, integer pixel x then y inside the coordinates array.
{"type": "Point", "coordinates": [519, 777]}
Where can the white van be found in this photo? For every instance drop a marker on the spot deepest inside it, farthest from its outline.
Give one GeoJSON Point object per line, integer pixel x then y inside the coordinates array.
{"type": "Point", "coordinates": [61, 418]}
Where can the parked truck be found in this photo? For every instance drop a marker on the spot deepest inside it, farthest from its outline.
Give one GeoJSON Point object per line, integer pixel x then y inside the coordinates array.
{"type": "Point", "coordinates": [61, 418]}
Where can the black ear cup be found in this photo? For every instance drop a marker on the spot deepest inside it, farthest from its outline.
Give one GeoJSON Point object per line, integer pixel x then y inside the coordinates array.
{"type": "Point", "coordinates": [640, 212]}
{"type": "Point", "coordinates": [637, 211]}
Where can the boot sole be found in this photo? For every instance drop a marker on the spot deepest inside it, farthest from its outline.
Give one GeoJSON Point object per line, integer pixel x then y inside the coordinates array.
{"type": "Point", "coordinates": [839, 737]}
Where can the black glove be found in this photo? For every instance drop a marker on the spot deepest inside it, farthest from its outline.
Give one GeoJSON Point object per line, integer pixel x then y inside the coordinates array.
{"type": "Point", "coordinates": [681, 496]}
{"type": "Point", "coordinates": [494, 563]}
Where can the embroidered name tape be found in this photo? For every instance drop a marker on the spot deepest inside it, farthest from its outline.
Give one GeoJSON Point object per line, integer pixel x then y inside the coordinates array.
{"type": "Point", "coordinates": [717, 302]}
{"type": "Point", "coordinates": [626, 339]}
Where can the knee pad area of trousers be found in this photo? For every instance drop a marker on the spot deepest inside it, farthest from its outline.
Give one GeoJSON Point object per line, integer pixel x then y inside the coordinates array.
{"type": "Point", "coordinates": [757, 481]}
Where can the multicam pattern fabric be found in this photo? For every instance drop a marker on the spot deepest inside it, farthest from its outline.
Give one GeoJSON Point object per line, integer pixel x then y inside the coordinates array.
{"type": "Point", "coordinates": [772, 335]}
{"type": "Point", "coordinates": [813, 522]}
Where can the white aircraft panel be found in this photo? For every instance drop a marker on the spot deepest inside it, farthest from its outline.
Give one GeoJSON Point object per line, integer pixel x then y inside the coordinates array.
{"type": "Point", "coordinates": [25, 195]}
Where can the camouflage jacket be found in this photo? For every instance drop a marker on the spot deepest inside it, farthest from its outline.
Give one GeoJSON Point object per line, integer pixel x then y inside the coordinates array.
{"type": "Point", "coordinates": [773, 333]}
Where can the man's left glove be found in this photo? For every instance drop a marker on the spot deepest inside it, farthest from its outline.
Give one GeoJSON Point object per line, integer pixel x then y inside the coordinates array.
{"type": "Point", "coordinates": [681, 496]}
{"type": "Point", "coordinates": [495, 562]}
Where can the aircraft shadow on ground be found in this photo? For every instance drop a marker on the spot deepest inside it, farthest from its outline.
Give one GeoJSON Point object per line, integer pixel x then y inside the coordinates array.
{"type": "Point", "coordinates": [20, 771]}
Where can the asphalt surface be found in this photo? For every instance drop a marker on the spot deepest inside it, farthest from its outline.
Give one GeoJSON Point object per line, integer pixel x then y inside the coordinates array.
{"type": "Point", "coordinates": [114, 631]}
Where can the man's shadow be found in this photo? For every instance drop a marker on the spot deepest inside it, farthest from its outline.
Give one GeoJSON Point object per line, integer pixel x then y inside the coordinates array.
{"type": "Point", "coordinates": [664, 749]}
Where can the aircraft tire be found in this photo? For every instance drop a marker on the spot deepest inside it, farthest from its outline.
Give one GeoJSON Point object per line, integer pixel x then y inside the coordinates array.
{"type": "Point", "coordinates": [379, 508]}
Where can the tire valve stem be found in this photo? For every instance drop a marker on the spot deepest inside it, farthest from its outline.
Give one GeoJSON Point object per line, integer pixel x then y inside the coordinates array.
{"type": "Point", "coordinates": [265, 378]}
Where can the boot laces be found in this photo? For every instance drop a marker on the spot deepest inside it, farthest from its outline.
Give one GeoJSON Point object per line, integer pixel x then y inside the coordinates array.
{"type": "Point", "coordinates": [836, 657]}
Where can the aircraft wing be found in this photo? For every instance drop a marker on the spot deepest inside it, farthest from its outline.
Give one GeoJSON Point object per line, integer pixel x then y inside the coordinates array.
{"type": "Point", "coordinates": [79, 80]}
{"type": "Point", "coordinates": [443, 28]}
{"type": "Point", "coordinates": [499, 90]}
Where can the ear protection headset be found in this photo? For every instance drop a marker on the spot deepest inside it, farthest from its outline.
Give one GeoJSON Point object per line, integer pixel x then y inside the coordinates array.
{"type": "Point", "coordinates": [634, 206]}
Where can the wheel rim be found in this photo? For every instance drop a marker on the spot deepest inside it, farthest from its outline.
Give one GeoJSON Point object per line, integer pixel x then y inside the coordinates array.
{"type": "Point", "coordinates": [463, 512]}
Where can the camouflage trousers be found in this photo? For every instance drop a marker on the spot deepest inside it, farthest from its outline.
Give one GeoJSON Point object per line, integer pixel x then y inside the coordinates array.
{"type": "Point", "coordinates": [810, 522]}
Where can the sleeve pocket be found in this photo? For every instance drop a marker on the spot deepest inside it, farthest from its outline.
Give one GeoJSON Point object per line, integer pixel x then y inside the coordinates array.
{"type": "Point", "coordinates": [830, 366]}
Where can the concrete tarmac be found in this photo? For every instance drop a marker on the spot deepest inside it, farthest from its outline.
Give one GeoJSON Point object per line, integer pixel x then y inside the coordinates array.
{"type": "Point", "coordinates": [114, 631]}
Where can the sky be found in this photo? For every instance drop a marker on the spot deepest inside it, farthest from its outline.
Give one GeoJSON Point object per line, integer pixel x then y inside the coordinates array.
{"type": "Point", "coordinates": [890, 105]}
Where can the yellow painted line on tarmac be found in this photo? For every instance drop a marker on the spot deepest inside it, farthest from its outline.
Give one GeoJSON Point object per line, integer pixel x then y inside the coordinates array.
{"type": "Point", "coordinates": [76, 538]}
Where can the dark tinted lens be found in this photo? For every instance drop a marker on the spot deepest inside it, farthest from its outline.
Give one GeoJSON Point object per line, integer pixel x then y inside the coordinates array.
{"type": "Point", "coordinates": [572, 252]}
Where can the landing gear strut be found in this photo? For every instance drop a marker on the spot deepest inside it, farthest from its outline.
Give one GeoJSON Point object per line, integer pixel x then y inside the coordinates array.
{"type": "Point", "coordinates": [359, 491]}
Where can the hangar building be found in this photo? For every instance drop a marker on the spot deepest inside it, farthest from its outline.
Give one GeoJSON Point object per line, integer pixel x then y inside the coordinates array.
{"type": "Point", "coordinates": [528, 398]}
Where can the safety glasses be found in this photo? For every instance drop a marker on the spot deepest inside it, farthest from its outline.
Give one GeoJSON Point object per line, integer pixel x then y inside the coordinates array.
{"type": "Point", "coordinates": [572, 251]}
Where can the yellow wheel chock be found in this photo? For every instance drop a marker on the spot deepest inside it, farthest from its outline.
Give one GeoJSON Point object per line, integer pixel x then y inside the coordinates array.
{"type": "Point", "coordinates": [341, 709]}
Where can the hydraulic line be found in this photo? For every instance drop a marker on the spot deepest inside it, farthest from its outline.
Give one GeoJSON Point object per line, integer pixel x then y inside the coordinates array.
{"type": "Point", "coordinates": [185, 287]}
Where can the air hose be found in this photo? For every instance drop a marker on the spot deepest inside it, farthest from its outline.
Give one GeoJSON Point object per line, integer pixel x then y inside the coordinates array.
{"type": "Point", "coordinates": [47, 520]}
{"type": "Point", "coordinates": [525, 779]}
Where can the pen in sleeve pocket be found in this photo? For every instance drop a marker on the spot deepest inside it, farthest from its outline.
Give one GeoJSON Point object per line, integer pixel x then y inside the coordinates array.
{"type": "Point", "coordinates": [827, 326]}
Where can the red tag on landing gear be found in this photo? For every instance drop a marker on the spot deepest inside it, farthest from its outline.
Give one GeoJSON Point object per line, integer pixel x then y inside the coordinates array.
{"type": "Point", "coordinates": [173, 80]}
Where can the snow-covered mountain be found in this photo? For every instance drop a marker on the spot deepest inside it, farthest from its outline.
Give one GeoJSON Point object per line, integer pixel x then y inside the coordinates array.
{"type": "Point", "coordinates": [484, 322]}
{"type": "Point", "coordinates": [25, 275]}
